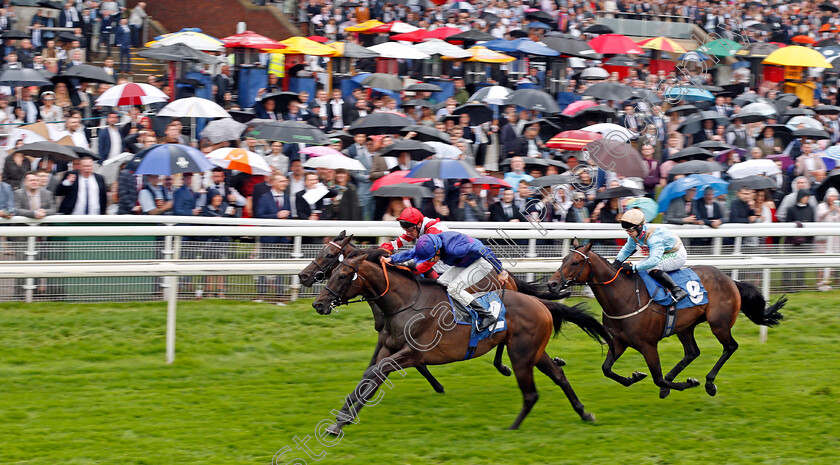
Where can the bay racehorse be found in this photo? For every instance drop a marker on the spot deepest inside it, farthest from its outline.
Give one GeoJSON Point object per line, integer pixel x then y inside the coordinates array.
{"type": "Point", "coordinates": [322, 266]}
{"type": "Point", "coordinates": [421, 329]}
{"type": "Point", "coordinates": [634, 320]}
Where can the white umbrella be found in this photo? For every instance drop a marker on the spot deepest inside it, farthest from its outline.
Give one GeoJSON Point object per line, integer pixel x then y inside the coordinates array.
{"type": "Point", "coordinates": [761, 166]}
{"type": "Point", "coordinates": [594, 74]}
{"type": "Point", "coordinates": [194, 107]}
{"type": "Point", "coordinates": [241, 160]}
{"type": "Point", "coordinates": [398, 50]}
{"type": "Point", "coordinates": [444, 150]}
{"type": "Point", "coordinates": [221, 130]}
{"type": "Point", "coordinates": [440, 47]}
{"type": "Point", "coordinates": [335, 162]}
{"type": "Point", "coordinates": [131, 94]}
{"type": "Point", "coordinates": [25, 134]}
{"type": "Point", "coordinates": [493, 95]}
{"type": "Point", "coordinates": [399, 27]}
{"type": "Point", "coordinates": [806, 121]}
{"type": "Point", "coordinates": [110, 169]}
{"type": "Point", "coordinates": [193, 40]}
{"type": "Point", "coordinates": [611, 131]}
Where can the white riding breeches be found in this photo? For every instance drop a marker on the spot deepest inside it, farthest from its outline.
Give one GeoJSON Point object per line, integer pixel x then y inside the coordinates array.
{"type": "Point", "coordinates": [457, 280]}
{"type": "Point", "coordinates": [672, 261]}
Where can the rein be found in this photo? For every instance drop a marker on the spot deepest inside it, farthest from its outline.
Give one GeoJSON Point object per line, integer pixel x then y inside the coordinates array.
{"type": "Point", "coordinates": [324, 269]}
{"type": "Point", "coordinates": [337, 294]}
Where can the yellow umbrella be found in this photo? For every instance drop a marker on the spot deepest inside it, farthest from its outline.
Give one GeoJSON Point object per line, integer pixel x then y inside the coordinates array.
{"type": "Point", "coordinates": [796, 55]}
{"type": "Point", "coordinates": [484, 55]}
{"type": "Point", "coordinates": [304, 46]}
{"type": "Point", "coordinates": [663, 44]}
{"type": "Point", "coordinates": [364, 26]}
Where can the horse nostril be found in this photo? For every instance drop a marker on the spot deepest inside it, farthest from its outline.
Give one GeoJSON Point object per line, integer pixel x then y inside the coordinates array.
{"type": "Point", "coordinates": [552, 285]}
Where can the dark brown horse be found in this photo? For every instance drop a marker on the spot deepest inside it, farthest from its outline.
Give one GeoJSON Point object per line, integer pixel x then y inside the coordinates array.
{"type": "Point", "coordinates": [336, 250]}
{"type": "Point", "coordinates": [420, 329]}
{"type": "Point", "coordinates": [635, 321]}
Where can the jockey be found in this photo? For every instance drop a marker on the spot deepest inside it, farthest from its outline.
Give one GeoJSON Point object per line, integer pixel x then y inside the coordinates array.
{"type": "Point", "coordinates": [415, 225]}
{"type": "Point", "coordinates": [471, 262]}
{"type": "Point", "coordinates": [666, 251]}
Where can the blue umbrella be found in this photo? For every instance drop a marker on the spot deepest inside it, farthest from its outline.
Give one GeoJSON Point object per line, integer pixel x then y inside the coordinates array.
{"type": "Point", "coordinates": [539, 25]}
{"type": "Point", "coordinates": [522, 45]}
{"type": "Point", "coordinates": [646, 205]}
{"type": "Point", "coordinates": [694, 56]}
{"type": "Point", "coordinates": [168, 159]}
{"type": "Point", "coordinates": [443, 169]}
{"type": "Point", "coordinates": [679, 187]}
{"type": "Point", "coordinates": [690, 94]}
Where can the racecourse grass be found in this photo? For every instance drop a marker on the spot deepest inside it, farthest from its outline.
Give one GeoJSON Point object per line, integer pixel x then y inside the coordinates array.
{"type": "Point", "coordinates": [83, 384]}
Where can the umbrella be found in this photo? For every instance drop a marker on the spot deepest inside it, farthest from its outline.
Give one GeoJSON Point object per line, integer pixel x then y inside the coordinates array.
{"type": "Point", "coordinates": [288, 131]}
{"type": "Point", "coordinates": [533, 99]}
{"type": "Point", "coordinates": [320, 151]}
{"type": "Point", "coordinates": [691, 153]}
{"type": "Point", "coordinates": [222, 130]}
{"type": "Point", "coordinates": [535, 14]}
{"type": "Point", "coordinates": [720, 48]}
{"type": "Point", "coordinates": [611, 131]}
{"type": "Point", "coordinates": [88, 73]}
{"type": "Point", "coordinates": [416, 103]}
{"type": "Point", "coordinates": [689, 94]}
{"type": "Point", "coordinates": [828, 7]}
{"type": "Point", "coordinates": [827, 110]}
{"type": "Point", "coordinates": [833, 180]}
{"type": "Point", "coordinates": [799, 111]}
{"type": "Point", "coordinates": [464, 6]}
{"type": "Point", "coordinates": [618, 192]}
{"type": "Point", "coordinates": [335, 161]}
{"type": "Point", "coordinates": [240, 160]}
{"type": "Point", "coordinates": [570, 46]}
{"type": "Point", "coordinates": [596, 113]}
{"type": "Point", "coordinates": [648, 206]}
{"type": "Point", "coordinates": [80, 152]}
{"type": "Point", "coordinates": [110, 168]}
{"type": "Point", "coordinates": [787, 162]}
{"type": "Point", "coordinates": [830, 52]}
{"type": "Point", "coordinates": [683, 110]}
{"type": "Point", "coordinates": [609, 91]}
{"type": "Point", "coordinates": [472, 34]}
{"type": "Point", "coordinates": [22, 77]}
{"type": "Point", "coordinates": [192, 39]}
{"type": "Point", "coordinates": [575, 107]}
{"type": "Point", "coordinates": [594, 74]}
{"type": "Point", "coordinates": [495, 95]}
{"type": "Point", "coordinates": [345, 139]}
{"type": "Point", "coordinates": [482, 54]}
{"type": "Point", "coordinates": [597, 29]}
{"type": "Point", "coordinates": [16, 35]}
{"type": "Point", "coordinates": [713, 145]}
{"type": "Point", "coordinates": [694, 123]}
{"type": "Point", "coordinates": [783, 101]}
{"type": "Point", "coordinates": [521, 45]}
{"type": "Point", "coordinates": [443, 169]}
{"type": "Point", "coordinates": [423, 87]}
{"type": "Point", "coordinates": [802, 39]}
{"type": "Point", "coordinates": [758, 49]}
{"type": "Point", "coordinates": [242, 116]}
{"type": "Point", "coordinates": [383, 81]}
{"type": "Point", "coordinates": [661, 43]}
{"type": "Point", "coordinates": [697, 167]}
{"type": "Point", "coordinates": [365, 26]}
{"type": "Point", "coordinates": [131, 94]}
{"type": "Point", "coordinates": [796, 55]}
{"type": "Point", "coordinates": [620, 60]}
{"type": "Point", "coordinates": [572, 140]}
{"type": "Point", "coordinates": [615, 44]}
{"type": "Point", "coordinates": [552, 180]}
{"type": "Point", "coordinates": [249, 39]}
{"type": "Point", "coordinates": [303, 46]}
{"type": "Point", "coordinates": [194, 107]}
{"type": "Point", "coordinates": [487, 182]}
{"type": "Point", "coordinates": [48, 149]}
{"type": "Point", "coordinates": [679, 187]}
{"type": "Point", "coordinates": [614, 155]}
{"type": "Point", "coordinates": [426, 133]}
{"type": "Point", "coordinates": [396, 177]}
{"type": "Point", "coordinates": [805, 121]}
{"type": "Point", "coordinates": [754, 112]}
{"type": "Point", "coordinates": [760, 166]}
{"type": "Point", "coordinates": [351, 50]}
{"type": "Point", "coordinates": [168, 159]}
{"type": "Point", "coordinates": [444, 150]}
{"type": "Point", "coordinates": [281, 99]}
{"type": "Point", "coordinates": [416, 149]}
{"type": "Point", "coordinates": [379, 123]}
{"type": "Point", "coordinates": [811, 133]}
{"type": "Point", "coordinates": [439, 47]}
{"type": "Point", "coordinates": [398, 50]}
{"type": "Point", "coordinates": [403, 190]}
{"type": "Point", "coordinates": [752, 182]}
{"type": "Point", "coordinates": [479, 113]}
{"type": "Point", "coordinates": [422, 34]}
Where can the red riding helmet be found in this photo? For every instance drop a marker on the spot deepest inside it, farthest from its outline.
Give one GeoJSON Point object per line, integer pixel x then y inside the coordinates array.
{"type": "Point", "coordinates": [411, 215]}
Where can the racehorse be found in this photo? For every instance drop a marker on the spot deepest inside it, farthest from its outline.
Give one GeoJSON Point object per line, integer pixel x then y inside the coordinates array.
{"type": "Point", "coordinates": [630, 325]}
{"type": "Point", "coordinates": [392, 291]}
{"type": "Point", "coordinates": [337, 249]}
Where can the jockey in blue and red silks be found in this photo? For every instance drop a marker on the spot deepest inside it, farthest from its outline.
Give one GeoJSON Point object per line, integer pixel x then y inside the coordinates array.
{"type": "Point", "coordinates": [415, 225]}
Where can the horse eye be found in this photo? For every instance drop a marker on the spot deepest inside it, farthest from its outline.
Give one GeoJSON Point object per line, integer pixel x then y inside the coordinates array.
{"type": "Point", "coordinates": [329, 255]}
{"type": "Point", "coordinates": [575, 263]}
{"type": "Point", "coordinates": [342, 276]}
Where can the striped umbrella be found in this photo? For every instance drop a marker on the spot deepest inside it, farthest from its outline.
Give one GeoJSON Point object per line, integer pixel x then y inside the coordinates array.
{"type": "Point", "coordinates": [572, 140]}
{"type": "Point", "coordinates": [484, 55]}
{"type": "Point", "coordinates": [240, 160]}
{"type": "Point", "coordinates": [130, 94]}
{"type": "Point", "coordinates": [661, 43]}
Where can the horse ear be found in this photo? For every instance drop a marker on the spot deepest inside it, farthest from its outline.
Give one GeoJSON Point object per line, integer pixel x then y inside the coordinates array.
{"type": "Point", "coordinates": [587, 248]}
{"type": "Point", "coordinates": [350, 239]}
{"type": "Point", "coordinates": [575, 243]}
{"type": "Point", "coordinates": [340, 236]}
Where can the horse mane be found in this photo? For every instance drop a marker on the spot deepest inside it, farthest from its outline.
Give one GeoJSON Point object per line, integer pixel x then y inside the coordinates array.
{"type": "Point", "coordinates": [374, 254]}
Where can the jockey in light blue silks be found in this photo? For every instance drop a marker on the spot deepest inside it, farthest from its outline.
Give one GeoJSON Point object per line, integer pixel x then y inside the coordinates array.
{"type": "Point", "coordinates": [665, 251]}
{"type": "Point", "coordinates": [471, 261]}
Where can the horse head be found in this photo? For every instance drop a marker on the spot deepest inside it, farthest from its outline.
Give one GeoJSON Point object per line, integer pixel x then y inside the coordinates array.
{"type": "Point", "coordinates": [328, 258]}
{"type": "Point", "coordinates": [344, 283]}
{"type": "Point", "coordinates": [576, 268]}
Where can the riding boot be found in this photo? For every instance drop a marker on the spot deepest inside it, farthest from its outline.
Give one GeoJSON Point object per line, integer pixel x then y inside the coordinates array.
{"type": "Point", "coordinates": [486, 316]}
{"type": "Point", "coordinates": [677, 293]}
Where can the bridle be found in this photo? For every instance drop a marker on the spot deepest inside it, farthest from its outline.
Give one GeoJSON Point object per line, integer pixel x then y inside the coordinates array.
{"type": "Point", "coordinates": [573, 280]}
{"type": "Point", "coordinates": [338, 294]}
{"type": "Point", "coordinates": [321, 274]}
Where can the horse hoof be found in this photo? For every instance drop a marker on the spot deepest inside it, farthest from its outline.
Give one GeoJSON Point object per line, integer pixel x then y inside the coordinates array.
{"type": "Point", "coordinates": [588, 416]}
{"type": "Point", "coordinates": [439, 389]}
{"type": "Point", "coordinates": [664, 392]}
{"type": "Point", "coordinates": [505, 371]}
{"type": "Point", "coordinates": [559, 362]}
{"type": "Point", "coordinates": [638, 376]}
{"type": "Point", "coordinates": [711, 389]}
{"type": "Point", "coordinates": [334, 429]}
{"type": "Point", "coordinates": [692, 382]}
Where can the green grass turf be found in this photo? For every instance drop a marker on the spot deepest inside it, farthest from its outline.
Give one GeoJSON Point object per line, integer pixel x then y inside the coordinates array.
{"type": "Point", "coordinates": [82, 384]}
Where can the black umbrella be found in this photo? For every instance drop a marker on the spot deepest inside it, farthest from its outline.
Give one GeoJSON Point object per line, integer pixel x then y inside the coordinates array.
{"type": "Point", "coordinates": [23, 77]}
{"type": "Point", "coordinates": [479, 113]}
{"type": "Point", "coordinates": [697, 167]}
{"type": "Point", "coordinates": [242, 116]}
{"type": "Point", "coordinates": [798, 111]}
{"type": "Point", "coordinates": [383, 81]}
{"type": "Point", "coordinates": [751, 182]}
{"type": "Point", "coordinates": [828, 7]}
{"type": "Point", "coordinates": [618, 156]}
{"type": "Point", "coordinates": [472, 34]}
{"type": "Point", "coordinates": [15, 35]}
{"type": "Point", "coordinates": [518, 33]}
{"type": "Point", "coordinates": [647, 95]}
{"type": "Point", "coordinates": [617, 192]}
{"type": "Point", "coordinates": [832, 180]}
{"type": "Point", "coordinates": [82, 152]}
{"type": "Point", "coordinates": [598, 113]}
{"type": "Point", "coordinates": [403, 190]}
{"type": "Point", "coordinates": [758, 49]}
{"type": "Point", "coordinates": [713, 145]}
{"type": "Point", "coordinates": [552, 180]}
{"type": "Point", "coordinates": [86, 73]}
{"type": "Point", "coordinates": [691, 153]}
{"type": "Point", "coordinates": [47, 149]}
{"type": "Point", "coordinates": [811, 133]}
{"type": "Point", "coordinates": [531, 163]}
{"type": "Point", "coordinates": [417, 150]}
{"type": "Point", "coordinates": [783, 101]}
{"type": "Point", "coordinates": [694, 123]}
{"type": "Point", "coordinates": [346, 139]}
{"type": "Point", "coordinates": [533, 99]}
{"type": "Point", "coordinates": [827, 110]}
{"type": "Point", "coordinates": [282, 99]}
{"type": "Point", "coordinates": [683, 110]}
{"type": "Point", "coordinates": [598, 29]}
{"type": "Point", "coordinates": [49, 5]}
{"type": "Point", "coordinates": [609, 91]}
{"type": "Point", "coordinates": [423, 87]}
{"type": "Point", "coordinates": [379, 123]}
{"type": "Point", "coordinates": [620, 60]}
{"type": "Point", "coordinates": [68, 37]}
{"type": "Point", "coordinates": [539, 15]}
{"type": "Point", "coordinates": [745, 99]}
{"type": "Point", "coordinates": [827, 43]}
{"type": "Point", "coordinates": [570, 46]}
{"type": "Point", "coordinates": [177, 52]}
{"type": "Point", "coordinates": [548, 129]}
{"type": "Point", "coordinates": [426, 133]}
{"type": "Point", "coordinates": [288, 132]}
{"type": "Point", "coordinates": [352, 50]}
{"type": "Point", "coordinates": [490, 18]}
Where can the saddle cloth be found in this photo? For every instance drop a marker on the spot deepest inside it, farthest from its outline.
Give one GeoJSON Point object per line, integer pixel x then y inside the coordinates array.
{"type": "Point", "coordinates": [687, 279]}
{"type": "Point", "coordinates": [466, 316]}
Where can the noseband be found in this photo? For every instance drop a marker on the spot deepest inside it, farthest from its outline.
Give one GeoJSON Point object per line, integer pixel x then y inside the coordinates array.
{"type": "Point", "coordinates": [321, 274]}
{"type": "Point", "coordinates": [573, 280]}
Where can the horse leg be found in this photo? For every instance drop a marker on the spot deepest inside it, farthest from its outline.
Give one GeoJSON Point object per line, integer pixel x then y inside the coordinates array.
{"type": "Point", "coordinates": [723, 333]}
{"type": "Point", "coordinates": [525, 378]}
{"type": "Point", "coordinates": [617, 348]}
{"type": "Point", "coordinates": [372, 379]}
{"type": "Point", "coordinates": [690, 352]}
{"type": "Point", "coordinates": [551, 369]}
{"type": "Point", "coordinates": [497, 362]}
{"type": "Point", "coordinates": [421, 368]}
{"type": "Point", "coordinates": [652, 359]}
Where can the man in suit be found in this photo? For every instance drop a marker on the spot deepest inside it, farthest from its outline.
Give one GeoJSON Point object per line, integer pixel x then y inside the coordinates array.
{"type": "Point", "coordinates": [69, 16]}
{"type": "Point", "coordinates": [86, 26]}
{"type": "Point", "coordinates": [508, 210]}
{"type": "Point", "coordinates": [28, 105]}
{"type": "Point", "coordinates": [629, 119]}
{"type": "Point", "coordinates": [122, 39]}
{"type": "Point", "coordinates": [110, 139]}
{"type": "Point", "coordinates": [273, 203]}
{"type": "Point", "coordinates": [361, 151]}
{"type": "Point", "coordinates": [223, 85]}
{"type": "Point", "coordinates": [358, 110]}
{"type": "Point", "coordinates": [33, 201]}
{"type": "Point", "coordinates": [768, 142]}
{"type": "Point", "coordinates": [705, 133]}
{"type": "Point", "coordinates": [26, 53]}
{"type": "Point", "coordinates": [106, 29]}
{"type": "Point", "coordinates": [709, 213]}
{"type": "Point", "coordinates": [720, 107]}
{"type": "Point", "coordinates": [38, 40]}
{"type": "Point", "coordinates": [84, 191]}
{"type": "Point", "coordinates": [578, 213]}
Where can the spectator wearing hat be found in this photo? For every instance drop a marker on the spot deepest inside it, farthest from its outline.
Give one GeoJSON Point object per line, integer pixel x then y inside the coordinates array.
{"type": "Point", "coordinates": [51, 113]}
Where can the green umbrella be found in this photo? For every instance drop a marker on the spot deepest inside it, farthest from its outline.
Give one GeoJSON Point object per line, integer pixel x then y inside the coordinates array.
{"type": "Point", "coordinates": [721, 48]}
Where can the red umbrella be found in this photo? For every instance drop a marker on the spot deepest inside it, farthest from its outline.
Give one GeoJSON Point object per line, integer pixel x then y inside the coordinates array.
{"type": "Point", "coordinates": [614, 44]}
{"type": "Point", "coordinates": [397, 177]}
{"type": "Point", "coordinates": [249, 39]}
{"type": "Point", "coordinates": [803, 40]}
{"type": "Point", "coordinates": [487, 182]}
{"type": "Point", "coordinates": [572, 140]}
{"type": "Point", "coordinates": [580, 105]}
{"type": "Point", "coordinates": [443, 32]}
{"type": "Point", "coordinates": [319, 39]}
{"type": "Point", "coordinates": [414, 36]}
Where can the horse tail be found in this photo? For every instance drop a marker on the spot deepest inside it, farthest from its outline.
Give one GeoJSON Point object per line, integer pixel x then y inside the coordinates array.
{"type": "Point", "coordinates": [579, 316]}
{"type": "Point", "coordinates": [755, 307]}
{"type": "Point", "coordinates": [538, 290]}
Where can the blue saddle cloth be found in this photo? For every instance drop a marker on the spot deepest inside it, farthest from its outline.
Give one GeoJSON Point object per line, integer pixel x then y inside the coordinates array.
{"type": "Point", "coordinates": [467, 316]}
{"type": "Point", "coordinates": [687, 279]}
